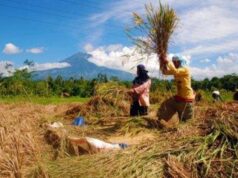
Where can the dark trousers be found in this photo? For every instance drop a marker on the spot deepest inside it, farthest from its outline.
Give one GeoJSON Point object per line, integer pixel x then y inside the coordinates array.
{"type": "Point", "coordinates": [137, 110]}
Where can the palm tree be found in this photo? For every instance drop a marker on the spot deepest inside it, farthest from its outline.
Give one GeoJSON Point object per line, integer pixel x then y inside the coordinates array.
{"type": "Point", "coordinates": [152, 33]}
{"type": "Point", "coordinates": [9, 68]}
{"type": "Point", "coordinates": [29, 63]}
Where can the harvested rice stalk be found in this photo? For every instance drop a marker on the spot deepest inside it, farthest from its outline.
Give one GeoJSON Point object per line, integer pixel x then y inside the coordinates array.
{"type": "Point", "coordinates": [18, 151]}
{"type": "Point", "coordinates": [217, 154]}
{"type": "Point", "coordinates": [110, 99]}
{"type": "Point", "coordinates": [152, 33]}
{"type": "Point", "coordinates": [18, 148]}
{"type": "Point", "coordinates": [175, 169]}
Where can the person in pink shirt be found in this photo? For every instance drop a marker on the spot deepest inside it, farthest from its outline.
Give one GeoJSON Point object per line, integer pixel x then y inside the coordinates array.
{"type": "Point", "coordinates": [140, 92]}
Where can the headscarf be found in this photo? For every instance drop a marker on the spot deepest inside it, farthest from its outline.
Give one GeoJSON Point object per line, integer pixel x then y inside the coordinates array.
{"type": "Point", "coordinates": [142, 75]}
{"type": "Point", "coordinates": [182, 59]}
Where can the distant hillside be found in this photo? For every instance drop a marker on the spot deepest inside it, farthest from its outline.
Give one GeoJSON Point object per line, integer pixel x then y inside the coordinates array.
{"type": "Point", "coordinates": [80, 66]}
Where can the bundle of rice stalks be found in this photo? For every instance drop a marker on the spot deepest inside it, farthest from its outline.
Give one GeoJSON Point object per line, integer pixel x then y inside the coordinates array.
{"type": "Point", "coordinates": [156, 30]}
{"type": "Point", "coordinates": [18, 148]}
{"type": "Point", "coordinates": [110, 99]}
{"type": "Point", "coordinates": [58, 139]}
{"type": "Point", "coordinates": [143, 160]}
{"type": "Point", "coordinates": [111, 164]}
{"type": "Point", "coordinates": [79, 110]}
{"type": "Point", "coordinates": [54, 137]}
{"type": "Point", "coordinates": [17, 151]}
{"type": "Point", "coordinates": [65, 145]}
{"type": "Point", "coordinates": [112, 93]}
{"type": "Point", "coordinates": [227, 109]}
{"type": "Point", "coordinates": [175, 169]}
{"type": "Point", "coordinates": [133, 127]}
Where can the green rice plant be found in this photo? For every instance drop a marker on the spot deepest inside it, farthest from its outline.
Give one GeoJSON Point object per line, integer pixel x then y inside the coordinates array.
{"type": "Point", "coordinates": [217, 154]}
{"type": "Point", "coordinates": [41, 100]}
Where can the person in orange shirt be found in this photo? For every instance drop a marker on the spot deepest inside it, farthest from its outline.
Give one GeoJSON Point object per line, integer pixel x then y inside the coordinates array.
{"type": "Point", "coordinates": [140, 92]}
{"type": "Point", "coordinates": [183, 102]}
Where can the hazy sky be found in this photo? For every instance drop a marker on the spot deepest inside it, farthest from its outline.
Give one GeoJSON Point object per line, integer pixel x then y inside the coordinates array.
{"type": "Point", "coordinates": [48, 31]}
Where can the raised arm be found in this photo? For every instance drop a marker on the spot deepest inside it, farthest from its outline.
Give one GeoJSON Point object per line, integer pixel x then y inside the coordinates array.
{"type": "Point", "coordinates": [170, 69]}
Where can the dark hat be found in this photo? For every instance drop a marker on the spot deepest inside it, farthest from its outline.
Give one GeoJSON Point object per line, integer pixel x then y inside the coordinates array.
{"type": "Point", "coordinates": [141, 67]}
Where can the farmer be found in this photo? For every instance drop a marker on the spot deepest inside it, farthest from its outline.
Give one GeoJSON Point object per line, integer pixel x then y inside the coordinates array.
{"type": "Point", "coordinates": [183, 102]}
{"type": "Point", "coordinates": [216, 96]}
{"type": "Point", "coordinates": [235, 96]}
{"type": "Point", "coordinates": [198, 96]}
{"type": "Point", "coordinates": [140, 92]}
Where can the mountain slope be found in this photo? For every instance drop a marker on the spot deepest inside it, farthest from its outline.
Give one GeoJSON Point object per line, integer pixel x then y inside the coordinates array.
{"type": "Point", "coordinates": [81, 67]}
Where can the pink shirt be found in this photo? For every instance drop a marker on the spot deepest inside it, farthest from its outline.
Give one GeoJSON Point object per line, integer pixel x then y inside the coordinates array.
{"type": "Point", "coordinates": [143, 91]}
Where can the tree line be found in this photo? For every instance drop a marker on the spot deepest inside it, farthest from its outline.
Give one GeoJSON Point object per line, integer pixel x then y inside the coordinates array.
{"type": "Point", "coordinates": [227, 82]}
{"type": "Point", "coordinates": [22, 83]}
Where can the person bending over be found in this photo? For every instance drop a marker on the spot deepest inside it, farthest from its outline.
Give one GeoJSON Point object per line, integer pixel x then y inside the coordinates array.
{"type": "Point", "coordinates": [216, 96]}
{"type": "Point", "coordinates": [183, 102]}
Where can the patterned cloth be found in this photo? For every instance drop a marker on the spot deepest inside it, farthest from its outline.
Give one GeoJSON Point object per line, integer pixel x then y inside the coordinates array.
{"type": "Point", "coordinates": [143, 91]}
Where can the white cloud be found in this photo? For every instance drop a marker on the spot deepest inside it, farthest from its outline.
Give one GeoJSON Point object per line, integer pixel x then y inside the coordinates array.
{"type": "Point", "coordinates": [209, 26]}
{"type": "Point", "coordinates": [47, 66]}
{"type": "Point", "coordinates": [88, 47]}
{"type": "Point", "coordinates": [127, 58]}
{"type": "Point", "coordinates": [114, 47]}
{"type": "Point", "coordinates": [37, 50]}
{"type": "Point", "coordinates": [224, 47]}
{"type": "Point", "coordinates": [121, 10]}
{"type": "Point", "coordinates": [207, 23]}
{"type": "Point", "coordinates": [205, 60]}
{"type": "Point", "coordinates": [122, 58]}
{"type": "Point", "coordinates": [10, 48]}
{"type": "Point", "coordinates": [96, 34]}
{"type": "Point", "coordinates": [224, 65]}
{"type": "Point", "coordinates": [6, 68]}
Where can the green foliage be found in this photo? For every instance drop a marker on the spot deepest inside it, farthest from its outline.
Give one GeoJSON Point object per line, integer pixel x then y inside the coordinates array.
{"type": "Point", "coordinates": [162, 85]}
{"type": "Point", "coordinates": [17, 84]}
{"type": "Point", "coordinates": [227, 82]}
{"type": "Point", "coordinates": [42, 99]}
{"type": "Point", "coordinates": [22, 84]}
{"type": "Point", "coordinates": [29, 63]}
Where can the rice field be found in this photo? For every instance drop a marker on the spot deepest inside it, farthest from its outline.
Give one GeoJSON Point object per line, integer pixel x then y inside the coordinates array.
{"type": "Point", "coordinates": [203, 147]}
